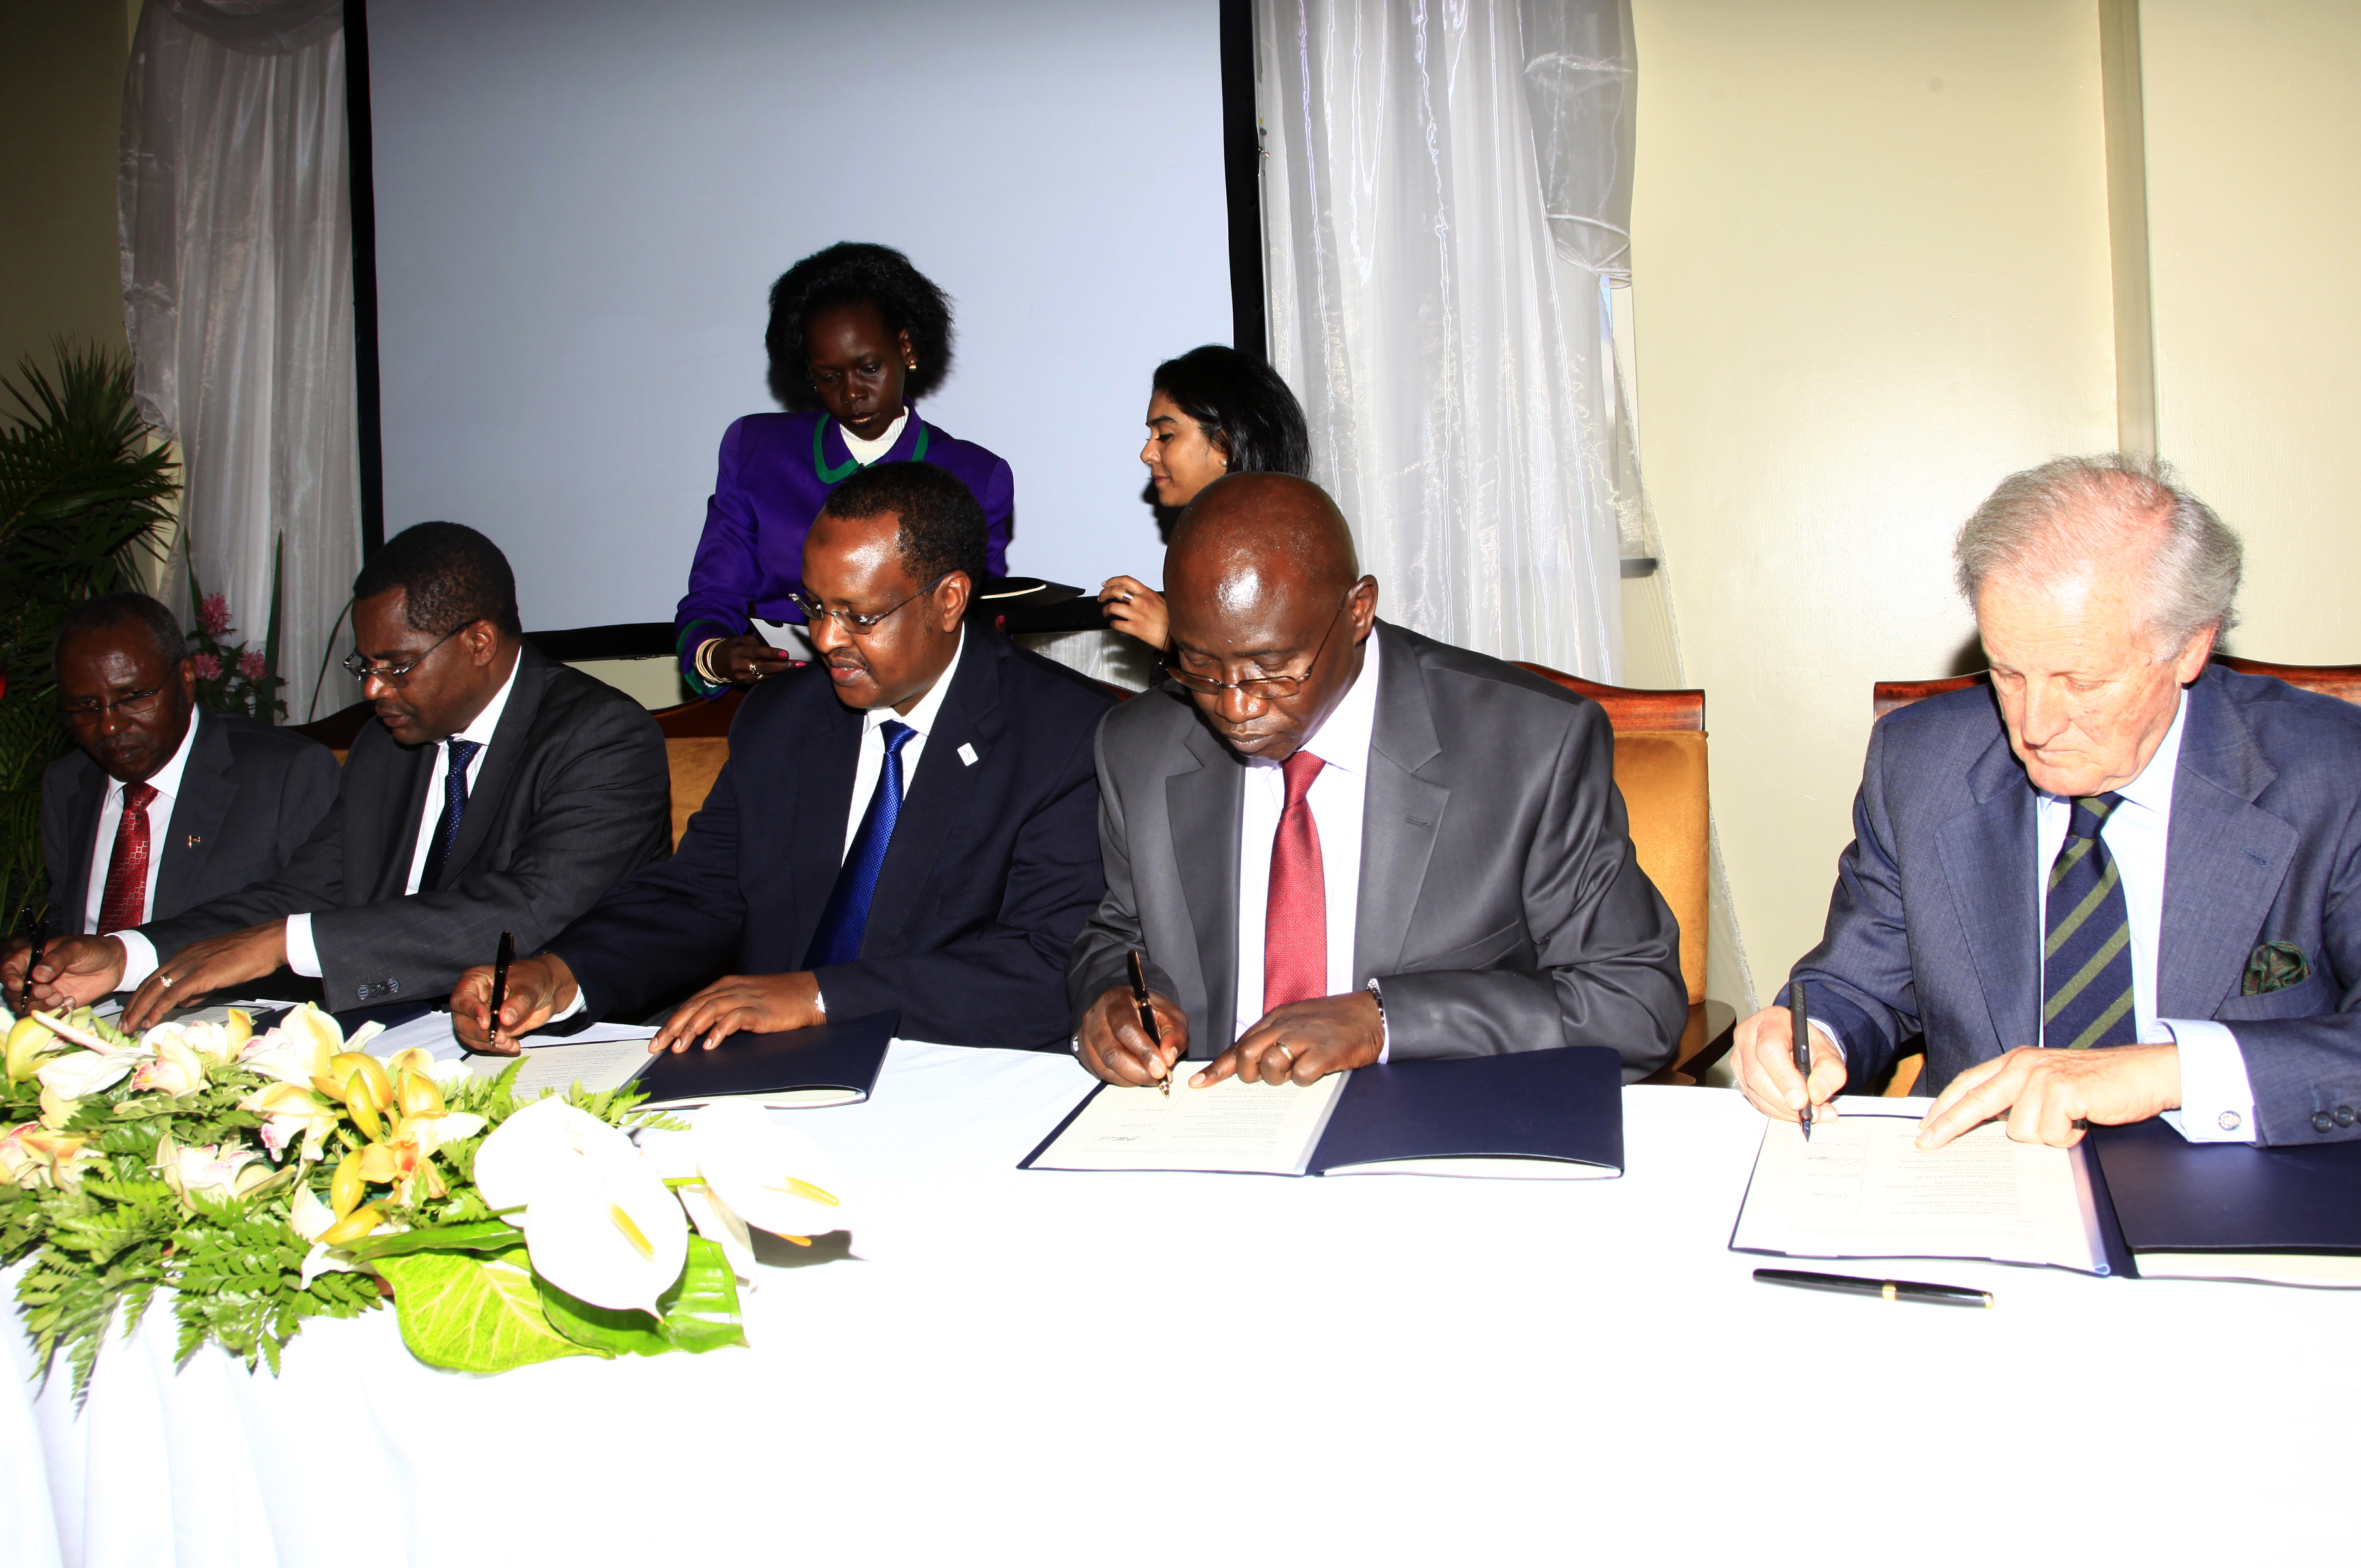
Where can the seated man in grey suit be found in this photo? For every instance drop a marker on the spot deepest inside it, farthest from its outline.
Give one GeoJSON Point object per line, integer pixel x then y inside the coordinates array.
{"type": "Point", "coordinates": [2146, 864]}
{"type": "Point", "coordinates": [496, 791]}
{"type": "Point", "coordinates": [160, 808]}
{"type": "Point", "coordinates": [1339, 843]}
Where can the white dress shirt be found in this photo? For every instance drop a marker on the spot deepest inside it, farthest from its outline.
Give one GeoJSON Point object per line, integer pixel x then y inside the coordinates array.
{"type": "Point", "coordinates": [166, 781]}
{"type": "Point", "coordinates": [2217, 1101]}
{"type": "Point", "coordinates": [302, 957]}
{"type": "Point", "coordinates": [1337, 800]}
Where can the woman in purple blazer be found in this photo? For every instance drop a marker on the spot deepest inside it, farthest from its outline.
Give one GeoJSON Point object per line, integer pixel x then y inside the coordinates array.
{"type": "Point", "coordinates": [857, 335]}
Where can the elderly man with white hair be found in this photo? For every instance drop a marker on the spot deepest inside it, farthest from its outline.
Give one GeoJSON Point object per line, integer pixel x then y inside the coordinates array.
{"type": "Point", "coordinates": [2117, 883]}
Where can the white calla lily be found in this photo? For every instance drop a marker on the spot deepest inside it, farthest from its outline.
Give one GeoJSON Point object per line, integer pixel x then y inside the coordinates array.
{"type": "Point", "coordinates": [80, 1074]}
{"type": "Point", "coordinates": [541, 1146]}
{"type": "Point", "coordinates": [597, 1218]}
{"type": "Point", "coordinates": [763, 1175]}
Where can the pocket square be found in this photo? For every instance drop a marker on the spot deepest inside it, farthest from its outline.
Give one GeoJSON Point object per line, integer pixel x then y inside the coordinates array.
{"type": "Point", "coordinates": [2273, 966]}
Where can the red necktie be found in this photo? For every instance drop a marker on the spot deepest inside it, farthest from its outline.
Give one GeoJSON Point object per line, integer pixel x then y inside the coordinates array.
{"type": "Point", "coordinates": [126, 904]}
{"type": "Point", "coordinates": [1295, 922]}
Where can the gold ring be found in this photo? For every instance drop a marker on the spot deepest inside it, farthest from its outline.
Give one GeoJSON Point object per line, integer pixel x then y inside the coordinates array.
{"type": "Point", "coordinates": [166, 980]}
{"type": "Point", "coordinates": [1283, 1049]}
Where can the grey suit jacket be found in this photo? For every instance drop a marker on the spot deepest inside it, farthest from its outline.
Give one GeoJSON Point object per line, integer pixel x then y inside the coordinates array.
{"type": "Point", "coordinates": [1502, 908]}
{"type": "Point", "coordinates": [1935, 929]}
{"type": "Point", "coordinates": [573, 792]}
{"type": "Point", "coordinates": [250, 796]}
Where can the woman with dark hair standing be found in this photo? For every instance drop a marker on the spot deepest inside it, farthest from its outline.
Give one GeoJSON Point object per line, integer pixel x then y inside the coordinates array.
{"type": "Point", "coordinates": [1213, 411]}
{"type": "Point", "coordinates": [857, 335]}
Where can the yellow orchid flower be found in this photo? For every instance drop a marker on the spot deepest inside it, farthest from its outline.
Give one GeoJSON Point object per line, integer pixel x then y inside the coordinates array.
{"type": "Point", "coordinates": [291, 1110]}
{"type": "Point", "coordinates": [216, 1171]}
{"type": "Point", "coordinates": [175, 1068]}
{"type": "Point", "coordinates": [29, 1040]}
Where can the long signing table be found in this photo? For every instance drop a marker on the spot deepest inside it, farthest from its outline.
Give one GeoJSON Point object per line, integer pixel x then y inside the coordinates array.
{"type": "Point", "coordinates": [1066, 1369]}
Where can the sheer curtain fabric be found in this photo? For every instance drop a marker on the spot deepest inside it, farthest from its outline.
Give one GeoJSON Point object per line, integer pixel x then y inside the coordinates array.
{"type": "Point", "coordinates": [237, 296]}
{"type": "Point", "coordinates": [1456, 372]}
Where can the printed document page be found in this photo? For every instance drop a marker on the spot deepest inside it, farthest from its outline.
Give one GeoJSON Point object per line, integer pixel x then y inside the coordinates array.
{"type": "Point", "coordinates": [1270, 1129]}
{"type": "Point", "coordinates": [1861, 1188]}
{"type": "Point", "coordinates": [602, 1057]}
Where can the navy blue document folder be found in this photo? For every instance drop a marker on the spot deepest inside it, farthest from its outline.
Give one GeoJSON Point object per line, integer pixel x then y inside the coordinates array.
{"type": "Point", "coordinates": [1481, 1117]}
{"type": "Point", "coordinates": [2182, 1204]}
{"type": "Point", "coordinates": [835, 1064]}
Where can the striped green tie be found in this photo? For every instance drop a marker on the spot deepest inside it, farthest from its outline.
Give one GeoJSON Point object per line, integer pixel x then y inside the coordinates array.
{"type": "Point", "coordinates": [2086, 962]}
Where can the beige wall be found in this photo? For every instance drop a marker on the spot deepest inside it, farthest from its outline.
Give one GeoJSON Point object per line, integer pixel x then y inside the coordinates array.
{"type": "Point", "coordinates": [2254, 167]}
{"type": "Point", "coordinates": [1870, 253]}
{"type": "Point", "coordinates": [61, 112]}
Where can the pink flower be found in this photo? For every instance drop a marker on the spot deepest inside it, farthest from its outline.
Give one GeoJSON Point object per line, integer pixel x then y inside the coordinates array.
{"type": "Point", "coordinates": [213, 615]}
{"type": "Point", "coordinates": [208, 667]}
{"type": "Point", "coordinates": [249, 664]}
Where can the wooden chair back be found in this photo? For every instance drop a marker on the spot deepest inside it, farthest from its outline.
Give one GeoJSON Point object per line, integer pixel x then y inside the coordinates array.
{"type": "Point", "coordinates": [1660, 766]}
{"type": "Point", "coordinates": [2340, 681]}
{"type": "Point", "coordinates": [697, 743]}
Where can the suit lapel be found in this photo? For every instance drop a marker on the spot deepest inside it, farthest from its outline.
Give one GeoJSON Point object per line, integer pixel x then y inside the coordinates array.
{"type": "Point", "coordinates": [383, 833]}
{"type": "Point", "coordinates": [1987, 853]}
{"type": "Point", "coordinates": [2225, 860]}
{"type": "Point", "coordinates": [1400, 812]}
{"type": "Point", "coordinates": [503, 763]}
{"type": "Point", "coordinates": [824, 753]}
{"type": "Point", "coordinates": [1203, 806]}
{"type": "Point", "coordinates": [207, 792]}
{"type": "Point", "coordinates": [70, 901]}
{"type": "Point", "coordinates": [939, 791]}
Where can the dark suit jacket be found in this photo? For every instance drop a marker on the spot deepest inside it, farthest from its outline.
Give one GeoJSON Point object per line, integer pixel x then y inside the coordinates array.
{"type": "Point", "coordinates": [990, 873]}
{"type": "Point", "coordinates": [573, 792]}
{"type": "Point", "coordinates": [1502, 908]}
{"type": "Point", "coordinates": [1934, 928]}
{"type": "Point", "coordinates": [250, 796]}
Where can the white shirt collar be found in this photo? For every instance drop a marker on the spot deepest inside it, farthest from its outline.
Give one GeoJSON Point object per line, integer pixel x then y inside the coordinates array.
{"type": "Point", "coordinates": [1343, 739]}
{"type": "Point", "coordinates": [921, 716]}
{"type": "Point", "coordinates": [867, 451]}
{"type": "Point", "coordinates": [481, 728]}
{"type": "Point", "coordinates": [2152, 790]}
{"type": "Point", "coordinates": [165, 781]}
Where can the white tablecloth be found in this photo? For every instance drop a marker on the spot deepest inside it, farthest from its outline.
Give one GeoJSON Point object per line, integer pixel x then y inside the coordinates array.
{"type": "Point", "coordinates": [1069, 1369]}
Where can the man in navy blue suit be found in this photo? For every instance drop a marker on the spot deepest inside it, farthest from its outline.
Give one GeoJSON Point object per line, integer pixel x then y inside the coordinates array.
{"type": "Point", "coordinates": [910, 822]}
{"type": "Point", "coordinates": [2119, 882]}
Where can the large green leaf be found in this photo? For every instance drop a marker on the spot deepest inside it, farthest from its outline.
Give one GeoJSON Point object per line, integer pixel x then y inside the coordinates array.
{"type": "Point", "coordinates": [483, 1235]}
{"type": "Point", "coordinates": [469, 1312]}
{"type": "Point", "coordinates": [701, 1311]}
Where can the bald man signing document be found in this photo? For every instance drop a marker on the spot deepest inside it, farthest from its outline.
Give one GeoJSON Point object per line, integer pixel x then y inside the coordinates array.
{"type": "Point", "coordinates": [1337, 843]}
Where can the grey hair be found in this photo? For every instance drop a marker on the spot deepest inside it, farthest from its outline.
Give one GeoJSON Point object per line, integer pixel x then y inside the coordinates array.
{"type": "Point", "coordinates": [2046, 522]}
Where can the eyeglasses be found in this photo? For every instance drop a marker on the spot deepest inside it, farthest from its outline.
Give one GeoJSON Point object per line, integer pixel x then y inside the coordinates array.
{"type": "Point", "coordinates": [815, 612]}
{"type": "Point", "coordinates": [1262, 688]}
{"type": "Point", "coordinates": [398, 675]}
{"type": "Point", "coordinates": [86, 710]}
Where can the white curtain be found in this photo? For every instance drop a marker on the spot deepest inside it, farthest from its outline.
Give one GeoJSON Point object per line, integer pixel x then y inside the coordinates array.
{"type": "Point", "coordinates": [237, 296]}
{"type": "Point", "coordinates": [1437, 304]}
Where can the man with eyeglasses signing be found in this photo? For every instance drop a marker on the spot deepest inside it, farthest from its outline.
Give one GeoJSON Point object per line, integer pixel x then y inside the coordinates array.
{"type": "Point", "coordinates": [1339, 843]}
{"type": "Point", "coordinates": [904, 824]}
{"type": "Point", "coordinates": [496, 790]}
{"type": "Point", "coordinates": [160, 808]}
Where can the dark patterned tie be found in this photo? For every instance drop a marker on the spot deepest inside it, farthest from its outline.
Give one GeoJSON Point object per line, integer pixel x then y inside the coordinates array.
{"type": "Point", "coordinates": [845, 921]}
{"type": "Point", "coordinates": [1295, 915]}
{"type": "Point", "coordinates": [126, 904]}
{"type": "Point", "coordinates": [455, 811]}
{"type": "Point", "coordinates": [2086, 963]}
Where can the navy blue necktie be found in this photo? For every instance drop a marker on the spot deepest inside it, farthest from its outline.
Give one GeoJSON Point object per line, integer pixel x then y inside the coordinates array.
{"type": "Point", "coordinates": [845, 921]}
{"type": "Point", "coordinates": [2086, 961]}
{"type": "Point", "coordinates": [454, 810]}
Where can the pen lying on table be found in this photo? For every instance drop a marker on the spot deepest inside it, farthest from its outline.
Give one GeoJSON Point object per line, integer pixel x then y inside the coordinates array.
{"type": "Point", "coordinates": [1890, 1289]}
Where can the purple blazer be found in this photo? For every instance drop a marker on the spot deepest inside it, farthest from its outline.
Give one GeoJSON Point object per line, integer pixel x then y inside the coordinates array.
{"type": "Point", "coordinates": [777, 471]}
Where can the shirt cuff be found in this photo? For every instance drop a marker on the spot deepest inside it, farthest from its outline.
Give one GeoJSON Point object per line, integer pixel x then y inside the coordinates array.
{"type": "Point", "coordinates": [571, 1010]}
{"type": "Point", "coordinates": [2217, 1100]}
{"type": "Point", "coordinates": [138, 959]}
{"type": "Point", "coordinates": [301, 956]}
{"type": "Point", "coordinates": [1830, 1034]}
{"type": "Point", "coordinates": [819, 999]}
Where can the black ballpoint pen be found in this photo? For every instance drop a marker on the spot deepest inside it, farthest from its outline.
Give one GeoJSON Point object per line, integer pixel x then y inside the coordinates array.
{"type": "Point", "coordinates": [505, 956]}
{"type": "Point", "coordinates": [32, 957]}
{"type": "Point", "coordinates": [1803, 1050]}
{"type": "Point", "coordinates": [1147, 1012]}
{"type": "Point", "coordinates": [1886, 1289]}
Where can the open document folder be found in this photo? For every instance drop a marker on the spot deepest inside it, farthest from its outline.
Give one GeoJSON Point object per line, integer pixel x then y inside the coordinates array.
{"type": "Point", "coordinates": [1861, 1187]}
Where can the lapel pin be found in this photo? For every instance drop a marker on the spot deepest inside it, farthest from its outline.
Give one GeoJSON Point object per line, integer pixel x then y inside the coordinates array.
{"type": "Point", "coordinates": [967, 755]}
{"type": "Point", "coordinates": [193, 840]}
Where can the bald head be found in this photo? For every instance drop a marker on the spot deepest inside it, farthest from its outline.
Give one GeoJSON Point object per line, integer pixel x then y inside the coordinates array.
{"type": "Point", "coordinates": [1261, 581]}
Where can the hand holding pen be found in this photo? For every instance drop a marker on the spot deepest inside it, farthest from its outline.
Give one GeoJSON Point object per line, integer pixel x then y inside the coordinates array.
{"type": "Point", "coordinates": [1113, 1044]}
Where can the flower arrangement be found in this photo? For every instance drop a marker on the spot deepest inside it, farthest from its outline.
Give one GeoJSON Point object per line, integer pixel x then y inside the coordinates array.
{"type": "Point", "coordinates": [232, 678]}
{"type": "Point", "coordinates": [264, 1179]}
